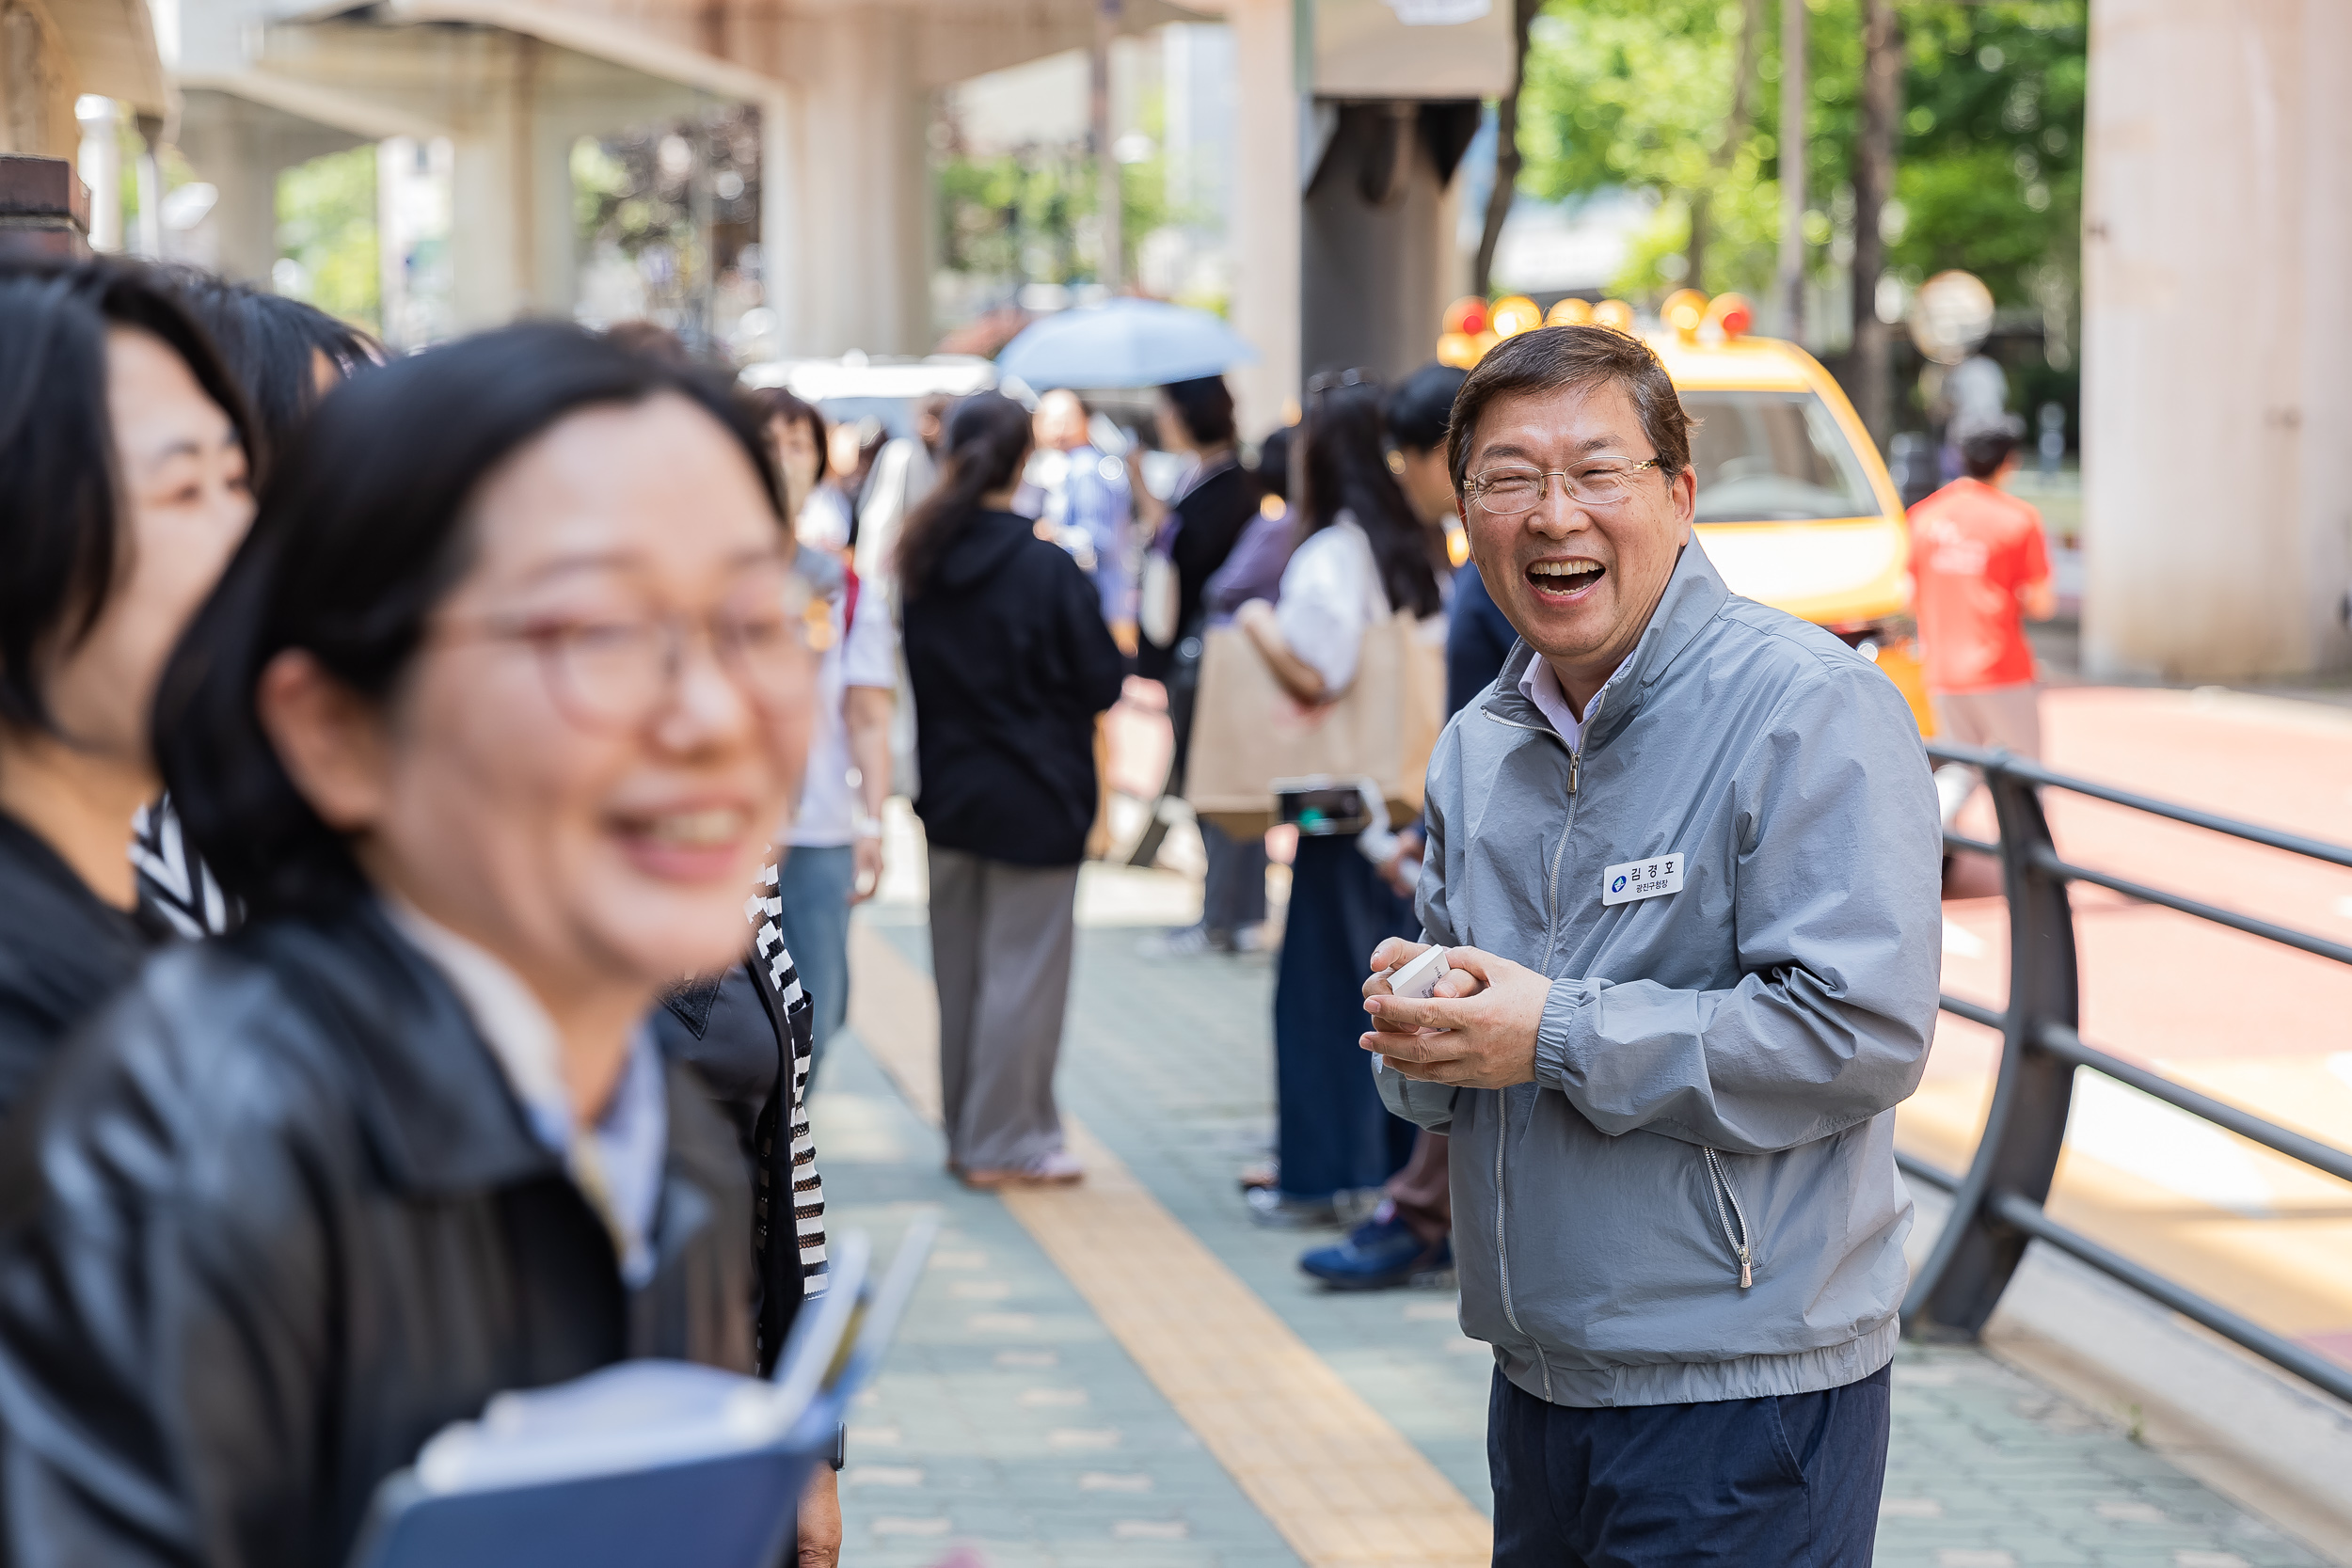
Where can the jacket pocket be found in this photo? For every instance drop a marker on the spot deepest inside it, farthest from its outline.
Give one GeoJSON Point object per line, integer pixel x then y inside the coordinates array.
{"type": "Point", "coordinates": [1731, 1215]}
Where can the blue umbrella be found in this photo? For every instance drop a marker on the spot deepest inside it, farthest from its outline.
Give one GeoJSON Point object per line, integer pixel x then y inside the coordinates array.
{"type": "Point", "coordinates": [1122, 342]}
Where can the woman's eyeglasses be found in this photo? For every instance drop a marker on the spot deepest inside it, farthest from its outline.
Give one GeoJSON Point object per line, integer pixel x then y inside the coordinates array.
{"type": "Point", "coordinates": [619, 671]}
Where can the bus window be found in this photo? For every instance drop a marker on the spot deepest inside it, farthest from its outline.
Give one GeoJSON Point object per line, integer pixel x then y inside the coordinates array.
{"type": "Point", "coordinates": [1772, 457]}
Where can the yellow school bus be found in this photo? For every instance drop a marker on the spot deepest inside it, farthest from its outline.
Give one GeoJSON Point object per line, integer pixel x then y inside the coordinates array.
{"type": "Point", "coordinates": [1795, 506]}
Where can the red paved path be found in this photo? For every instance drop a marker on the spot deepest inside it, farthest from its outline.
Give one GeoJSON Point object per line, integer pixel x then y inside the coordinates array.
{"type": "Point", "coordinates": [2242, 1018]}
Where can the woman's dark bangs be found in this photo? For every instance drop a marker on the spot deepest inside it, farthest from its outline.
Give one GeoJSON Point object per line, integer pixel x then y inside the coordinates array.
{"type": "Point", "coordinates": [363, 529]}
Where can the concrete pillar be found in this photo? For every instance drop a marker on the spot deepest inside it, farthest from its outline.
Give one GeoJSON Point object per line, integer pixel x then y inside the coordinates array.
{"type": "Point", "coordinates": [1265, 212]}
{"type": "Point", "coordinates": [37, 84]}
{"type": "Point", "coordinates": [241, 147]}
{"type": "Point", "coordinates": [781, 221]}
{"type": "Point", "coordinates": [245, 218]}
{"type": "Point", "coordinates": [224, 141]}
{"type": "Point", "coordinates": [1378, 243]}
{"type": "Point", "coordinates": [510, 244]}
{"type": "Point", "coordinates": [845, 182]}
{"type": "Point", "coordinates": [100, 168]}
{"type": "Point", "coordinates": [2217, 417]}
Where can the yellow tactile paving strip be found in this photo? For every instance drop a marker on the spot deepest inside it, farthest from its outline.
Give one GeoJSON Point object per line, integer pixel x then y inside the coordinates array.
{"type": "Point", "coordinates": [1343, 1486]}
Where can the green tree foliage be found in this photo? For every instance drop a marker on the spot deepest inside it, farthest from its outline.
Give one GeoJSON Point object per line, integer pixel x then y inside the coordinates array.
{"type": "Point", "coordinates": [1990, 171]}
{"type": "Point", "coordinates": [1016, 214]}
{"type": "Point", "coordinates": [1638, 94]}
{"type": "Point", "coordinates": [1026, 214]}
{"type": "Point", "coordinates": [327, 227]}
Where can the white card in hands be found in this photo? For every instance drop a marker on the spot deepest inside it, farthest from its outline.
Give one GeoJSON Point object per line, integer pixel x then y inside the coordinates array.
{"type": "Point", "coordinates": [1418, 978]}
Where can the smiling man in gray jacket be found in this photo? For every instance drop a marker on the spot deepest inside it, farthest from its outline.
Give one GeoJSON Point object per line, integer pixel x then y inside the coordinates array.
{"type": "Point", "coordinates": [1685, 853]}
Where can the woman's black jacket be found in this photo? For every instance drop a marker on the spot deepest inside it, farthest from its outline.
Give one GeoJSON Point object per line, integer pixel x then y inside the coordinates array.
{"type": "Point", "coordinates": [1011, 663]}
{"type": "Point", "coordinates": [63, 953]}
{"type": "Point", "coordinates": [1209, 521]}
{"type": "Point", "coordinates": [274, 1221]}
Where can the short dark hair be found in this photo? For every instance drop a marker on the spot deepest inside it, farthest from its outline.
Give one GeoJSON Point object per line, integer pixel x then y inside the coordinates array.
{"type": "Point", "coordinates": [270, 344]}
{"type": "Point", "coordinates": [1552, 358]}
{"type": "Point", "coordinates": [362, 530]}
{"type": "Point", "coordinates": [1205, 405]}
{"type": "Point", "coordinates": [652, 339]}
{"type": "Point", "coordinates": [61, 526]}
{"type": "Point", "coordinates": [776, 403]}
{"type": "Point", "coordinates": [1982, 453]}
{"type": "Point", "coordinates": [1421, 407]}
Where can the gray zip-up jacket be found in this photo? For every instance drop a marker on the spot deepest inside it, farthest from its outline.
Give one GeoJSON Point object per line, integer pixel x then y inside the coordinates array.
{"type": "Point", "coordinates": [1696, 1199]}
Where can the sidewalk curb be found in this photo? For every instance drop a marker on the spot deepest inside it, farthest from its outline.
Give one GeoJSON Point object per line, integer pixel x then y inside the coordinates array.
{"type": "Point", "coordinates": [2269, 1443]}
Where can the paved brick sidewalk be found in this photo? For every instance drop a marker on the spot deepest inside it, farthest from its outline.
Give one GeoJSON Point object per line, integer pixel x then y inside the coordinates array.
{"type": "Point", "coordinates": [1010, 1419]}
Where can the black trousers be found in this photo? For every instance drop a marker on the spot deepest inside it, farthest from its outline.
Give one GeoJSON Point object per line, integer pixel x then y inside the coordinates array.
{"type": "Point", "coordinates": [1763, 1483]}
{"type": "Point", "coordinates": [1332, 1132]}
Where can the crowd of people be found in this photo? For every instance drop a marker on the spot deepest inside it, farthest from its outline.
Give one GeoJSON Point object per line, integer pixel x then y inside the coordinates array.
{"type": "Point", "coordinates": [434, 789]}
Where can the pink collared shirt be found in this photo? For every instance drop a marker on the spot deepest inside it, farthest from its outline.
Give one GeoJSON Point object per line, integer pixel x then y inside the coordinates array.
{"type": "Point", "coordinates": [1539, 686]}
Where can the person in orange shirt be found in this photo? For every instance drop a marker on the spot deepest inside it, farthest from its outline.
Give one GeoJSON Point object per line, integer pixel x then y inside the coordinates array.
{"type": "Point", "coordinates": [1980, 568]}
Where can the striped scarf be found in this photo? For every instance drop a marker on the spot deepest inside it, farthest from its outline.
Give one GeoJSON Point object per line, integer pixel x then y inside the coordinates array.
{"type": "Point", "coordinates": [771, 966]}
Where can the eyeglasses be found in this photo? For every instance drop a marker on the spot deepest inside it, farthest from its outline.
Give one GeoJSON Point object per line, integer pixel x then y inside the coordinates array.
{"type": "Point", "coordinates": [620, 672]}
{"type": "Point", "coordinates": [1509, 492]}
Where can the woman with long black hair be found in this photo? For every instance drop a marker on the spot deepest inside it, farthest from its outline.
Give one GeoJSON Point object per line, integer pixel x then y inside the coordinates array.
{"type": "Point", "coordinates": [1362, 555]}
{"type": "Point", "coordinates": [285, 356]}
{"type": "Point", "coordinates": [123, 488]}
{"type": "Point", "coordinates": [1010, 664]}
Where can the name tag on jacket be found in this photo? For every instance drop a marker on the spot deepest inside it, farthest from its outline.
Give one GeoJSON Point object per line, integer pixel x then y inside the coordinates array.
{"type": "Point", "coordinates": [1650, 879]}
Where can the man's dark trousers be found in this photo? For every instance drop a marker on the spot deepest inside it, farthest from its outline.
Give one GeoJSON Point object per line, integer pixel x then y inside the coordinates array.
{"type": "Point", "coordinates": [1762, 1482]}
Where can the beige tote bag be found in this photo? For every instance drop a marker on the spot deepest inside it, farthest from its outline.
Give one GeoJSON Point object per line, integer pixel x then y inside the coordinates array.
{"type": "Point", "coordinates": [1248, 732]}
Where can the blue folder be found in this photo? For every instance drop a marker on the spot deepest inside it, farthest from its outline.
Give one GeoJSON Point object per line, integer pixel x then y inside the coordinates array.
{"type": "Point", "coordinates": [647, 1461]}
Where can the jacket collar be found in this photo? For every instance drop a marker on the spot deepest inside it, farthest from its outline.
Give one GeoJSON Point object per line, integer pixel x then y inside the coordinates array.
{"type": "Point", "coordinates": [435, 1107]}
{"type": "Point", "coordinates": [1694, 592]}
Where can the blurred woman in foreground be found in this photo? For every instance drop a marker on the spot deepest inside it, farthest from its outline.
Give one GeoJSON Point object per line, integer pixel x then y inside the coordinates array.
{"type": "Point", "coordinates": [486, 724]}
{"type": "Point", "coordinates": [1010, 663]}
{"type": "Point", "coordinates": [123, 489]}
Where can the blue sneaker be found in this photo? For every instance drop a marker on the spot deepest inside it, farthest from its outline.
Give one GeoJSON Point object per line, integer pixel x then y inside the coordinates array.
{"type": "Point", "coordinates": [1377, 1254]}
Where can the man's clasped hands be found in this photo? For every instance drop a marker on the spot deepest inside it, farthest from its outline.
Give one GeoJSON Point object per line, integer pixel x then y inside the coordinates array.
{"type": "Point", "coordinates": [1476, 1031]}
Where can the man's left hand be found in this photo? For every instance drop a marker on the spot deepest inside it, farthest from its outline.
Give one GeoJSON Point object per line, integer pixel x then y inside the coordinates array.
{"type": "Point", "coordinates": [1482, 1040]}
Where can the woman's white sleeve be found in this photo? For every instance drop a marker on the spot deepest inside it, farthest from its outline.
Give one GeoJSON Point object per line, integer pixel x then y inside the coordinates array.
{"type": "Point", "coordinates": [1320, 614]}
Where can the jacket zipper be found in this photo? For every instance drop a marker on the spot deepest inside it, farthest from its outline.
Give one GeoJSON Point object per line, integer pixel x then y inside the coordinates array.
{"type": "Point", "coordinates": [1551, 937]}
{"type": "Point", "coordinates": [1720, 1183]}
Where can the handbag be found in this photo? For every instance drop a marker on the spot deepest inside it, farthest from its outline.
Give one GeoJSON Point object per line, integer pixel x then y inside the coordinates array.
{"type": "Point", "coordinates": [1247, 731]}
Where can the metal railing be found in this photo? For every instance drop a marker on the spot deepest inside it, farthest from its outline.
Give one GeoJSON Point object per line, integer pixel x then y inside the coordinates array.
{"type": "Point", "coordinates": [1997, 1205]}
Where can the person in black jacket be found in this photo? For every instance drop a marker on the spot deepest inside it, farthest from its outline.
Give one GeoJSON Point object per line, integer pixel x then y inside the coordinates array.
{"type": "Point", "coordinates": [122, 490]}
{"type": "Point", "coordinates": [1217, 500]}
{"type": "Point", "coordinates": [1010, 664]}
{"type": "Point", "coordinates": [486, 724]}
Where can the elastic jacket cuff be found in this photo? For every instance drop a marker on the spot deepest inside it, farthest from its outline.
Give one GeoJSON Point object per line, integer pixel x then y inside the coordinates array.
{"type": "Point", "coordinates": [1564, 1038]}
